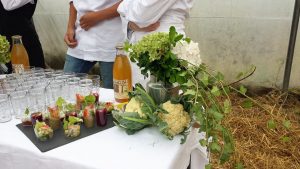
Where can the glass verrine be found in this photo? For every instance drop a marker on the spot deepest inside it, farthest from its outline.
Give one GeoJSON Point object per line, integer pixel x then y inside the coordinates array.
{"type": "Point", "coordinates": [5, 114]}
{"type": "Point", "coordinates": [72, 89]}
{"type": "Point", "coordinates": [37, 99]}
{"type": "Point", "coordinates": [19, 102]}
{"type": "Point", "coordinates": [85, 87]}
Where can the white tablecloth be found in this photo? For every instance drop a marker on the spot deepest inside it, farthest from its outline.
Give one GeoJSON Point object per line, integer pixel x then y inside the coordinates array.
{"type": "Point", "coordinates": [109, 149]}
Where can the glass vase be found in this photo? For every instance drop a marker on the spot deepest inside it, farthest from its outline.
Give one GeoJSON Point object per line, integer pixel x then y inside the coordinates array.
{"type": "Point", "coordinates": [161, 92]}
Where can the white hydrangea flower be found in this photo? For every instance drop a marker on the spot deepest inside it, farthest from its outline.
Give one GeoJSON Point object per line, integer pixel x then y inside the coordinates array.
{"type": "Point", "coordinates": [188, 51]}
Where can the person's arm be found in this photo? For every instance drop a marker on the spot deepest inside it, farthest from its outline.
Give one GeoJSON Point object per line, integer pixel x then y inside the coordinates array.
{"type": "Point", "coordinates": [92, 18]}
{"type": "Point", "coordinates": [134, 27]}
{"type": "Point", "coordinates": [14, 4]}
{"type": "Point", "coordinates": [144, 12]}
{"type": "Point", "coordinates": [70, 34]}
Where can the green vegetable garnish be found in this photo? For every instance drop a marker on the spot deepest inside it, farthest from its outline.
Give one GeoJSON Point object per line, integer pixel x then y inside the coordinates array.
{"type": "Point", "coordinates": [72, 120]}
{"type": "Point", "coordinates": [26, 111]}
{"type": "Point", "coordinates": [60, 102]}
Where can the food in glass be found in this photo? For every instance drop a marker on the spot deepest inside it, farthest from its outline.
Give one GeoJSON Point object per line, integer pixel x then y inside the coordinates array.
{"type": "Point", "coordinates": [96, 94]}
{"type": "Point", "coordinates": [54, 118]}
{"type": "Point", "coordinates": [88, 116]}
{"type": "Point", "coordinates": [72, 113]}
{"type": "Point", "coordinates": [36, 116]}
{"type": "Point", "coordinates": [109, 106]}
{"type": "Point", "coordinates": [42, 131]}
{"type": "Point", "coordinates": [101, 118]}
{"type": "Point", "coordinates": [26, 120]}
{"type": "Point", "coordinates": [72, 126]}
{"type": "Point", "coordinates": [79, 101]}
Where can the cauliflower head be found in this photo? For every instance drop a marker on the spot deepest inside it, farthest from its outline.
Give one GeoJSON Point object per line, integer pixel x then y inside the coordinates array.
{"type": "Point", "coordinates": [135, 106]}
{"type": "Point", "coordinates": [176, 118]}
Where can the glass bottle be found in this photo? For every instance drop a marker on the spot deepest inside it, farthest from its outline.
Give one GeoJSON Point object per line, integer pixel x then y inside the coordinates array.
{"type": "Point", "coordinates": [122, 78]}
{"type": "Point", "coordinates": [19, 56]}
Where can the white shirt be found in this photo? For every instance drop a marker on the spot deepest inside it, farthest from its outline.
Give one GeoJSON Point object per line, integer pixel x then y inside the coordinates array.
{"type": "Point", "coordinates": [146, 12]}
{"type": "Point", "coordinates": [14, 4]}
{"type": "Point", "coordinates": [98, 43]}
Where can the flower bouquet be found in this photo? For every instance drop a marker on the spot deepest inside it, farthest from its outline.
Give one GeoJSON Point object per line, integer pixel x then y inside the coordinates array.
{"type": "Point", "coordinates": [203, 102]}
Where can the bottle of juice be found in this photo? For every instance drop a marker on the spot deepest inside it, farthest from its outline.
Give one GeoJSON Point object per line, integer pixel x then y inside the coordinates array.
{"type": "Point", "coordinates": [19, 56]}
{"type": "Point", "coordinates": [122, 78]}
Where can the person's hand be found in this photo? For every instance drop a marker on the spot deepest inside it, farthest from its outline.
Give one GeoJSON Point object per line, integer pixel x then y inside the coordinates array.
{"type": "Point", "coordinates": [70, 38]}
{"type": "Point", "coordinates": [88, 20]}
{"type": "Point", "coordinates": [149, 28]}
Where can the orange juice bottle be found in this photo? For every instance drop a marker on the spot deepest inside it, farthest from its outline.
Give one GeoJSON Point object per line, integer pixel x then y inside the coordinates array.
{"type": "Point", "coordinates": [122, 78]}
{"type": "Point", "coordinates": [19, 56]}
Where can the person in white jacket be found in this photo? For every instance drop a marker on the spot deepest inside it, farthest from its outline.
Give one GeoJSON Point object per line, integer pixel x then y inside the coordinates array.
{"type": "Point", "coordinates": [94, 29]}
{"type": "Point", "coordinates": [141, 17]}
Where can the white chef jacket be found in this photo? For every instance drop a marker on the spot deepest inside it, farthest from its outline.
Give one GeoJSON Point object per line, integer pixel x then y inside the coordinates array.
{"type": "Point", "coordinates": [99, 42]}
{"type": "Point", "coordinates": [14, 4]}
{"type": "Point", "coordinates": [146, 12]}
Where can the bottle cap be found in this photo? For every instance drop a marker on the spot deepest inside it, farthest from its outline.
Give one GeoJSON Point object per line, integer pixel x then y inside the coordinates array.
{"type": "Point", "coordinates": [120, 45]}
{"type": "Point", "coordinates": [16, 37]}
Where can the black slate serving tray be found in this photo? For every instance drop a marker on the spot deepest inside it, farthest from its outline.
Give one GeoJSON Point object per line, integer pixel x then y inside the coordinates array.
{"type": "Point", "coordinates": [59, 138]}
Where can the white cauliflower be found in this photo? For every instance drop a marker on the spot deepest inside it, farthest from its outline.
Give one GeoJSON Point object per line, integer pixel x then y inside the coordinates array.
{"type": "Point", "coordinates": [176, 118]}
{"type": "Point", "coordinates": [135, 106]}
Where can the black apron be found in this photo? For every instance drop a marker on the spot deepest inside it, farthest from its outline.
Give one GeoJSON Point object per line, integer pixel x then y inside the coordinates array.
{"type": "Point", "coordinates": [19, 22]}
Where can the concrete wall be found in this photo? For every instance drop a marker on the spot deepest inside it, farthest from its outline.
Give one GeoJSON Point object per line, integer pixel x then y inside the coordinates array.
{"type": "Point", "coordinates": [232, 35]}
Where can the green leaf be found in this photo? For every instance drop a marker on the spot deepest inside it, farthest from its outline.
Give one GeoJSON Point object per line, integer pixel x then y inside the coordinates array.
{"type": "Point", "coordinates": [89, 99]}
{"type": "Point", "coordinates": [271, 124]}
{"type": "Point", "coordinates": [240, 75]}
{"type": "Point", "coordinates": [190, 92]}
{"type": "Point", "coordinates": [247, 104]}
{"type": "Point", "coordinates": [287, 124]}
{"type": "Point", "coordinates": [215, 147]}
{"type": "Point", "coordinates": [239, 166]}
{"type": "Point", "coordinates": [183, 73]}
{"type": "Point", "coordinates": [204, 79]}
{"type": "Point", "coordinates": [59, 102]}
{"type": "Point", "coordinates": [243, 90]}
{"type": "Point", "coordinates": [172, 33]}
{"type": "Point", "coordinates": [65, 126]}
{"type": "Point", "coordinates": [188, 40]}
{"type": "Point", "coordinates": [215, 91]}
{"type": "Point", "coordinates": [286, 139]}
{"type": "Point", "coordinates": [73, 120]}
{"type": "Point", "coordinates": [189, 83]}
{"type": "Point", "coordinates": [219, 76]}
{"type": "Point", "coordinates": [228, 147]}
{"type": "Point", "coordinates": [227, 106]}
{"type": "Point", "coordinates": [208, 166]}
{"type": "Point", "coordinates": [218, 116]}
{"type": "Point", "coordinates": [178, 38]}
{"type": "Point", "coordinates": [26, 111]}
{"type": "Point", "coordinates": [70, 107]}
{"type": "Point", "coordinates": [203, 142]}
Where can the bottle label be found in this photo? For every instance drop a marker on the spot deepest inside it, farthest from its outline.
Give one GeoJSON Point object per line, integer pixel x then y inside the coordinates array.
{"type": "Point", "coordinates": [121, 89]}
{"type": "Point", "coordinates": [18, 68]}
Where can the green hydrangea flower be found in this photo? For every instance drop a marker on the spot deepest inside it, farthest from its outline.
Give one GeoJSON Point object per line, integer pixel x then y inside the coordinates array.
{"type": "Point", "coordinates": [4, 50]}
{"type": "Point", "coordinates": [155, 45]}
